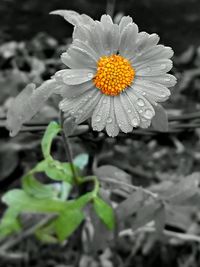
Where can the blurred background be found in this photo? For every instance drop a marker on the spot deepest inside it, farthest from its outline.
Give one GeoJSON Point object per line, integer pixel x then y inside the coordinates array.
{"type": "Point", "coordinates": [31, 42]}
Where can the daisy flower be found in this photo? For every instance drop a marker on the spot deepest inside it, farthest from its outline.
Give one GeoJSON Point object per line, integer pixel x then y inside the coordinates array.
{"type": "Point", "coordinates": [116, 74]}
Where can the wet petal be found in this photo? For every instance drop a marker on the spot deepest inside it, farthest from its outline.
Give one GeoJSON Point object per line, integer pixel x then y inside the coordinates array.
{"type": "Point", "coordinates": [143, 107]}
{"type": "Point", "coordinates": [157, 52]}
{"type": "Point", "coordinates": [128, 39]}
{"type": "Point", "coordinates": [110, 36]}
{"type": "Point", "coordinates": [151, 90]}
{"type": "Point", "coordinates": [124, 22]}
{"type": "Point", "coordinates": [101, 113]}
{"type": "Point", "coordinates": [69, 91]}
{"type": "Point", "coordinates": [121, 116]}
{"type": "Point", "coordinates": [78, 58]}
{"type": "Point", "coordinates": [71, 104]}
{"type": "Point", "coordinates": [131, 112]}
{"type": "Point", "coordinates": [73, 17]}
{"type": "Point", "coordinates": [112, 127]}
{"type": "Point", "coordinates": [154, 68]}
{"type": "Point", "coordinates": [75, 76]}
{"type": "Point", "coordinates": [167, 80]}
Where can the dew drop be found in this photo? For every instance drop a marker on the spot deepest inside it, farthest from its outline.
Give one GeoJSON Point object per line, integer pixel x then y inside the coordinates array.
{"type": "Point", "coordinates": [148, 114]}
{"type": "Point", "coordinates": [148, 69]}
{"type": "Point", "coordinates": [135, 122]}
{"type": "Point", "coordinates": [140, 102]}
{"type": "Point", "coordinates": [90, 75]}
{"type": "Point", "coordinates": [167, 79]}
{"type": "Point", "coordinates": [143, 93]}
{"type": "Point", "coordinates": [98, 118]}
{"type": "Point", "coordinates": [129, 111]}
{"type": "Point", "coordinates": [140, 110]}
{"type": "Point", "coordinates": [109, 120]}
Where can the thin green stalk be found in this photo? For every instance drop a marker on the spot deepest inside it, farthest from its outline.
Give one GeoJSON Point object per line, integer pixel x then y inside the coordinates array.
{"type": "Point", "coordinates": [68, 150]}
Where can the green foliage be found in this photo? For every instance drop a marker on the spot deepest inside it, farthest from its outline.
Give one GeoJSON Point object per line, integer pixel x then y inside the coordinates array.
{"type": "Point", "coordinates": [51, 132]}
{"type": "Point", "coordinates": [38, 198]}
{"type": "Point", "coordinates": [81, 161]}
{"type": "Point", "coordinates": [105, 212]}
{"type": "Point", "coordinates": [68, 222]}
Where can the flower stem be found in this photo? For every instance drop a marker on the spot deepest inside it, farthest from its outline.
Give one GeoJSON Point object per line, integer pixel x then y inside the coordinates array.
{"type": "Point", "coordinates": [68, 150]}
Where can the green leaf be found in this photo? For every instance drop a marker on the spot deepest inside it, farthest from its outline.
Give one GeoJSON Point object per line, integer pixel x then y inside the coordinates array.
{"type": "Point", "coordinates": [51, 132]}
{"type": "Point", "coordinates": [59, 171]}
{"type": "Point", "coordinates": [68, 222]}
{"type": "Point", "coordinates": [160, 120]}
{"type": "Point", "coordinates": [81, 160]}
{"type": "Point", "coordinates": [36, 189]}
{"type": "Point", "coordinates": [105, 212]}
{"type": "Point", "coordinates": [22, 202]}
{"type": "Point", "coordinates": [56, 170]}
{"type": "Point", "coordinates": [46, 233]}
{"type": "Point", "coordinates": [9, 222]}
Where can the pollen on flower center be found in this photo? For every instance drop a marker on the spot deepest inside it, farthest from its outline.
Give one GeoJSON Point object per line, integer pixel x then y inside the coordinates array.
{"type": "Point", "coordinates": [114, 74]}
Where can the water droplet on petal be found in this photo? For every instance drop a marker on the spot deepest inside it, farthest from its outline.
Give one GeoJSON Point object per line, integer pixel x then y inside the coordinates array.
{"type": "Point", "coordinates": [90, 75]}
{"type": "Point", "coordinates": [135, 122]}
{"type": "Point", "coordinates": [148, 69]}
{"type": "Point", "coordinates": [148, 114]}
{"type": "Point", "coordinates": [140, 102]}
{"type": "Point", "coordinates": [98, 118]}
{"type": "Point", "coordinates": [140, 110]}
{"type": "Point", "coordinates": [167, 79]}
{"type": "Point", "coordinates": [129, 111]}
{"type": "Point", "coordinates": [143, 93]}
{"type": "Point", "coordinates": [109, 120]}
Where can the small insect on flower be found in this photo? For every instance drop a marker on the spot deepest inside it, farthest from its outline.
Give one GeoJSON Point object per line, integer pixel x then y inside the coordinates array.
{"type": "Point", "coordinates": [116, 74]}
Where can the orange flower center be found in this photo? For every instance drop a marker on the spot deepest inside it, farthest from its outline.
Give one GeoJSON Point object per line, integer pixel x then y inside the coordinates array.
{"type": "Point", "coordinates": [114, 74]}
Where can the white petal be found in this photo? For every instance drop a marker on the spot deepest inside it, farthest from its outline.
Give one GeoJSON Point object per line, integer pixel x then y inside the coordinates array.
{"type": "Point", "coordinates": [112, 127]}
{"type": "Point", "coordinates": [155, 91]}
{"type": "Point", "coordinates": [101, 113]}
{"type": "Point", "coordinates": [128, 39]}
{"type": "Point", "coordinates": [75, 76]}
{"type": "Point", "coordinates": [69, 91]}
{"type": "Point", "coordinates": [154, 68]}
{"type": "Point", "coordinates": [132, 113]}
{"type": "Point", "coordinates": [86, 47]}
{"type": "Point", "coordinates": [106, 21]}
{"type": "Point", "coordinates": [110, 36]}
{"type": "Point", "coordinates": [167, 80]}
{"type": "Point", "coordinates": [78, 58]}
{"type": "Point", "coordinates": [124, 22]}
{"type": "Point", "coordinates": [121, 116]}
{"type": "Point", "coordinates": [144, 42]}
{"type": "Point", "coordinates": [155, 53]}
{"type": "Point", "coordinates": [91, 35]}
{"type": "Point", "coordinates": [71, 104]}
{"type": "Point", "coordinates": [143, 107]}
{"type": "Point", "coordinates": [86, 110]}
{"type": "Point", "coordinates": [73, 17]}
